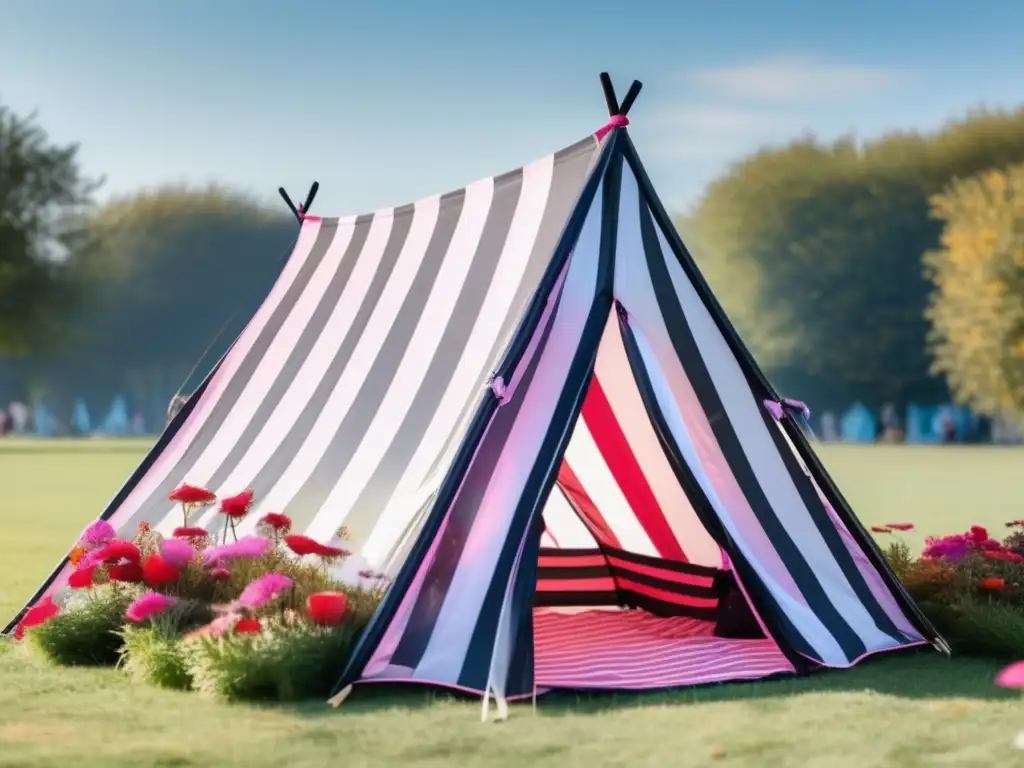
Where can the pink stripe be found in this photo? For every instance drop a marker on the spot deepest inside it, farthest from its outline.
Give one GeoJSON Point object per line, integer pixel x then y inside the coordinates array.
{"type": "Point", "coordinates": [633, 650]}
{"type": "Point", "coordinates": [606, 584]}
{"type": "Point", "coordinates": [571, 561]}
{"type": "Point", "coordinates": [663, 573]}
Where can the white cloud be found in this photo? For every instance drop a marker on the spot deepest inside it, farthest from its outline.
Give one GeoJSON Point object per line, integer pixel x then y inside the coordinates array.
{"type": "Point", "coordinates": [793, 80]}
{"type": "Point", "coordinates": [708, 131]}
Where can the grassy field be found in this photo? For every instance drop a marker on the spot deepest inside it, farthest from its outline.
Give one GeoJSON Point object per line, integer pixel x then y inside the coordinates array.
{"type": "Point", "coordinates": [920, 710]}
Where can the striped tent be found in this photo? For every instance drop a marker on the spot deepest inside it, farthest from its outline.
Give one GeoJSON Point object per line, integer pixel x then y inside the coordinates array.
{"type": "Point", "coordinates": [525, 406]}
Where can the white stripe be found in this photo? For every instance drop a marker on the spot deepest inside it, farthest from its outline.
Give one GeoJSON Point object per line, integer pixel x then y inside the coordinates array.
{"type": "Point", "coordinates": [167, 464]}
{"type": "Point", "coordinates": [589, 466]}
{"type": "Point", "coordinates": [364, 354]}
{"type": "Point", "coordinates": [565, 525]}
{"type": "Point", "coordinates": [464, 384]}
{"type": "Point", "coordinates": [437, 311]}
{"type": "Point", "coordinates": [744, 413]}
{"type": "Point", "coordinates": [449, 641]}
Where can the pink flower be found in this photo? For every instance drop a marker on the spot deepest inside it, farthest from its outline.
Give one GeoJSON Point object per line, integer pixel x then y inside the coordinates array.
{"type": "Point", "coordinates": [954, 547]}
{"type": "Point", "coordinates": [96, 534]}
{"type": "Point", "coordinates": [176, 552]}
{"type": "Point", "coordinates": [1011, 676]}
{"type": "Point", "coordinates": [216, 628]}
{"type": "Point", "coordinates": [150, 604]}
{"type": "Point", "coordinates": [248, 546]}
{"type": "Point", "coordinates": [261, 591]}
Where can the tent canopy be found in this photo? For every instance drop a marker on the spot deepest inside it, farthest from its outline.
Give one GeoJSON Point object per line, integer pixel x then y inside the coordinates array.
{"type": "Point", "coordinates": [524, 404]}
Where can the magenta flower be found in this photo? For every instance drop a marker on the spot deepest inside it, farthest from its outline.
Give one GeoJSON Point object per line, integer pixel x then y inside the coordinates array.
{"type": "Point", "coordinates": [1011, 676]}
{"type": "Point", "coordinates": [261, 591]}
{"type": "Point", "coordinates": [176, 552]}
{"type": "Point", "coordinates": [249, 546]}
{"type": "Point", "coordinates": [953, 548]}
{"type": "Point", "coordinates": [96, 534]}
{"type": "Point", "coordinates": [150, 604]}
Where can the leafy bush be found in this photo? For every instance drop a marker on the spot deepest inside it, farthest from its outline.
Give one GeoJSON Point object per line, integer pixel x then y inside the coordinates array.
{"type": "Point", "coordinates": [151, 656]}
{"type": "Point", "coordinates": [86, 632]}
{"type": "Point", "coordinates": [257, 617]}
{"type": "Point", "coordinates": [287, 661]}
{"type": "Point", "coordinates": [970, 586]}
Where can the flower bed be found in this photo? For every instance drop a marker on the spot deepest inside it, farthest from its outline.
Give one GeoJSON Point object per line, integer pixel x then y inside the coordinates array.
{"type": "Point", "coordinates": [970, 585]}
{"type": "Point", "coordinates": [244, 618]}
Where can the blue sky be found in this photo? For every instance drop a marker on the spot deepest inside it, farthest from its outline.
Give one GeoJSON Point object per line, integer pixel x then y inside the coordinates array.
{"type": "Point", "coordinates": [385, 101]}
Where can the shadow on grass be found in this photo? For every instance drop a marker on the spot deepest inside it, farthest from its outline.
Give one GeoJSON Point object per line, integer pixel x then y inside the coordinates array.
{"type": "Point", "coordinates": [921, 675]}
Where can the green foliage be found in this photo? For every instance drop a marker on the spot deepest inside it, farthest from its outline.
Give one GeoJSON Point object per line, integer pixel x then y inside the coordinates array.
{"type": "Point", "coordinates": [977, 306]}
{"type": "Point", "coordinates": [815, 251]}
{"type": "Point", "coordinates": [151, 656]}
{"type": "Point", "coordinates": [985, 627]}
{"type": "Point", "coordinates": [86, 632]}
{"type": "Point", "coordinates": [288, 661]}
{"type": "Point", "coordinates": [44, 199]}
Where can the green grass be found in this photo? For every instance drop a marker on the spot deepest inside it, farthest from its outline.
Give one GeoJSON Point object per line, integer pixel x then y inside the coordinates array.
{"type": "Point", "coordinates": [904, 711]}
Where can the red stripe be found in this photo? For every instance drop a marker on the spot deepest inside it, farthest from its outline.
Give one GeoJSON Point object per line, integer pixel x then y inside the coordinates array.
{"type": "Point", "coordinates": [605, 584]}
{"type": "Point", "coordinates": [692, 579]}
{"type": "Point", "coordinates": [570, 561]}
{"type": "Point", "coordinates": [618, 455]}
{"type": "Point", "coordinates": [665, 596]}
{"type": "Point", "coordinates": [585, 507]}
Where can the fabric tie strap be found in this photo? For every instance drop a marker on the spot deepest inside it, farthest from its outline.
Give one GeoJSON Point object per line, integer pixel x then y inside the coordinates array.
{"type": "Point", "coordinates": [787, 406]}
{"type": "Point", "coordinates": [615, 121]}
{"type": "Point", "coordinates": [500, 390]}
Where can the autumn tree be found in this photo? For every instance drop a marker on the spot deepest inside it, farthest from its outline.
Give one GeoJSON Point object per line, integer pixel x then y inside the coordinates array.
{"type": "Point", "coordinates": [977, 306]}
{"type": "Point", "coordinates": [815, 251]}
{"type": "Point", "coordinates": [44, 203]}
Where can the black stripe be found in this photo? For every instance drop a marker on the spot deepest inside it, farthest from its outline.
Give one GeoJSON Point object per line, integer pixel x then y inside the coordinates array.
{"type": "Point", "coordinates": [366, 511]}
{"type": "Point", "coordinates": [782, 630]}
{"type": "Point", "coordinates": [296, 357]}
{"type": "Point", "coordinates": [690, 358]}
{"type": "Point", "coordinates": [157, 506]}
{"type": "Point", "coordinates": [634, 557]}
{"type": "Point", "coordinates": [486, 409]}
{"type": "Point", "coordinates": [566, 187]}
{"type": "Point", "coordinates": [544, 472]}
{"type": "Point", "coordinates": [364, 408]}
{"type": "Point", "coordinates": [760, 382]}
{"type": "Point", "coordinates": [574, 572]}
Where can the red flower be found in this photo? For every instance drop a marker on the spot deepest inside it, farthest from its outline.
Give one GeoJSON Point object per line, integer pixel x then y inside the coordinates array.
{"type": "Point", "coordinates": [992, 584]}
{"type": "Point", "coordinates": [82, 578]}
{"type": "Point", "coordinates": [192, 494]}
{"type": "Point", "coordinates": [990, 545]}
{"type": "Point", "coordinates": [237, 507]}
{"type": "Point", "coordinates": [220, 574]}
{"type": "Point", "coordinates": [156, 571]}
{"type": "Point", "coordinates": [901, 526]}
{"type": "Point", "coordinates": [303, 545]}
{"type": "Point", "coordinates": [128, 573]}
{"type": "Point", "coordinates": [189, 532]}
{"type": "Point", "coordinates": [1015, 524]}
{"type": "Point", "coordinates": [327, 609]}
{"type": "Point", "coordinates": [143, 527]}
{"type": "Point", "coordinates": [247, 625]}
{"type": "Point", "coordinates": [277, 521]}
{"type": "Point", "coordinates": [979, 534]}
{"type": "Point", "coordinates": [40, 613]}
{"type": "Point", "coordinates": [1002, 554]}
{"type": "Point", "coordinates": [119, 549]}
{"type": "Point", "coordinates": [880, 529]}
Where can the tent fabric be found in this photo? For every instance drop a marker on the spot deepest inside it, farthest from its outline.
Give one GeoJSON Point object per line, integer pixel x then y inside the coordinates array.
{"type": "Point", "coordinates": [522, 402]}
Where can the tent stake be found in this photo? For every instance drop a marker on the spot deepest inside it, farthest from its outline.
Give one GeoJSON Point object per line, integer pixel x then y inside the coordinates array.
{"type": "Point", "coordinates": [337, 700]}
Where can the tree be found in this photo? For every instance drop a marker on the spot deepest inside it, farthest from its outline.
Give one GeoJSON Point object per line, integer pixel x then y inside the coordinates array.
{"type": "Point", "coordinates": [977, 306]}
{"type": "Point", "coordinates": [44, 202]}
{"type": "Point", "coordinates": [815, 251]}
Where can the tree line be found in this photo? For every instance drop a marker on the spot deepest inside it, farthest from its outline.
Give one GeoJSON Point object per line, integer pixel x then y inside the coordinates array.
{"type": "Point", "coordinates": [882, 271]}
